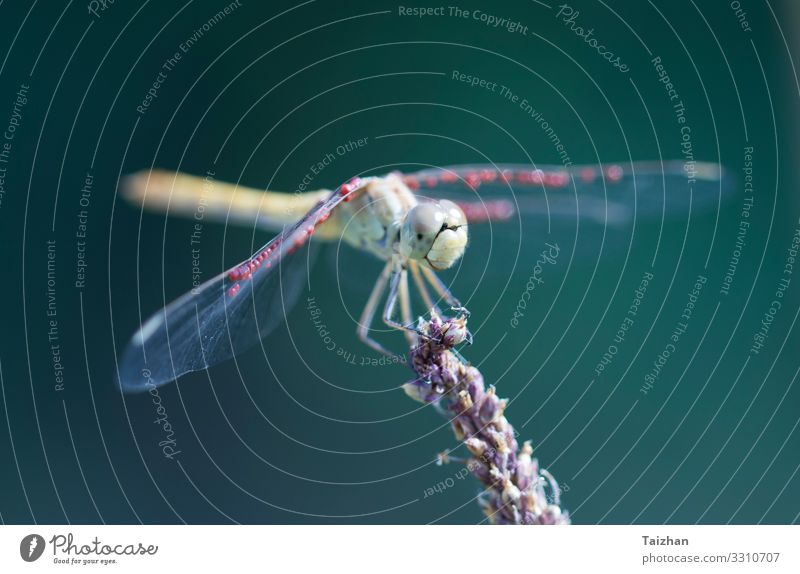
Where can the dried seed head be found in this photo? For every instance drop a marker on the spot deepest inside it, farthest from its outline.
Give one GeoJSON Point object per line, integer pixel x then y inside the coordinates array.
{"type": "Point", "coordinates": [490, 406]}
{"type": "Point", "coordinates": [458, 430]}
{"type": "Point", "coordinates": [476, 446]}
{"type": "Point", "coordinates": [475, 389]}
{"type": "Point", "coordinates": [524, 471]}
{"type": "Point", "coordinates": [481, 471]}
{"type": "Point", "coordinates": [511, 493]}
{"type": "Point", "coordinates": [454, 332]}
{"type": "Point", "coordinates": [464, 401]}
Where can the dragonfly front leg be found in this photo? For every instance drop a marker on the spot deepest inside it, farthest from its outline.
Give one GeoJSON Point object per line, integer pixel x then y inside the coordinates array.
{"type": "Point", "coordinates": [368, 314]}
{"type": "Point", "coordinates": [422, 288]}
{"type": "Point", "coordinates": [399, 278]}
{"type": "Point", "coordinates": [443, 291]}
{"type": "Point", "coordinates": [405, 310]}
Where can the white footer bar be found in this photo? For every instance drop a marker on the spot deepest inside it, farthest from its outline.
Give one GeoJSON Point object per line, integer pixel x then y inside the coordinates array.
{"type": "Point", "coordinates": [407, 549]}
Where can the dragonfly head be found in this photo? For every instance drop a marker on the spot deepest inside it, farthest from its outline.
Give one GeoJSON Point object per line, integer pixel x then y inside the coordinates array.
{"type": "Point", "coordinates": [434, 232]}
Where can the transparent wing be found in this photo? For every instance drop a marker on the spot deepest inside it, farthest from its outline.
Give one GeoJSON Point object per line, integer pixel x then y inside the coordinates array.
{"type": "Point", "coordinates": [612, 194]}
{"type": "Point", "coordinates": [228, 314]}
{"type": "Point", "coordinates": [517, 213]}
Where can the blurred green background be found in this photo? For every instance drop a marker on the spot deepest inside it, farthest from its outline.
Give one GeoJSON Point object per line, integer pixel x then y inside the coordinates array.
{"type": "Point", "coordinates": [301, 435]}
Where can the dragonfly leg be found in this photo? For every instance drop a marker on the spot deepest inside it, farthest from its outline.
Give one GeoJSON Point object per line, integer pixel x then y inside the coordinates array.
{"type": "Point", "coordinates": [444, 292]}
{"type": "Point", "coordinates": [399, 277]}
{"type": "Point", "coordinates": [405, 309]}
{"type": "Point", "coordinates": [368, 314]}
{"type": "Point", "coordinates": [422, 288]}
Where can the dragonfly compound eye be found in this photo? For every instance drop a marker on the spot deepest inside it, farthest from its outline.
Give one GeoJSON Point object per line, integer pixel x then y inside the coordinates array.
{"type": "Point", "coordinates": [435, 232]}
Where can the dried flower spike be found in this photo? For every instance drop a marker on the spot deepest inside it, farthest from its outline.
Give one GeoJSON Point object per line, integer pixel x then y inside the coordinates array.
{"type": "Point", "coordinates": [516, 490]}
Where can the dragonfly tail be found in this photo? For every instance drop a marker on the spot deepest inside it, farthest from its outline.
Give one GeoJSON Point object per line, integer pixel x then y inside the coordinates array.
{"type": "Point", "coordinates": [207, 199]}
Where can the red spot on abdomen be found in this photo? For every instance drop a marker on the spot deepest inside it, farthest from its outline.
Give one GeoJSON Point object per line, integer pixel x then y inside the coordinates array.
{"type": "Point", "coordinates": [493, 210]}
{"type": "Point", "coordinates": [556, 179]}
{"type": "Point", "coordinates": [614, 173]}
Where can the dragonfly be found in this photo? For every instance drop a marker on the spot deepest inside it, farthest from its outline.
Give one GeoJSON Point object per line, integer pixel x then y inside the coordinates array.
{"type": "Point", "coordinates": [417, 224]}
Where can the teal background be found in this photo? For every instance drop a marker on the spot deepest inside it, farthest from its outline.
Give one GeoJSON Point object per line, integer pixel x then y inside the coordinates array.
{"type": "Point", "coordinates": [299, 435]}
